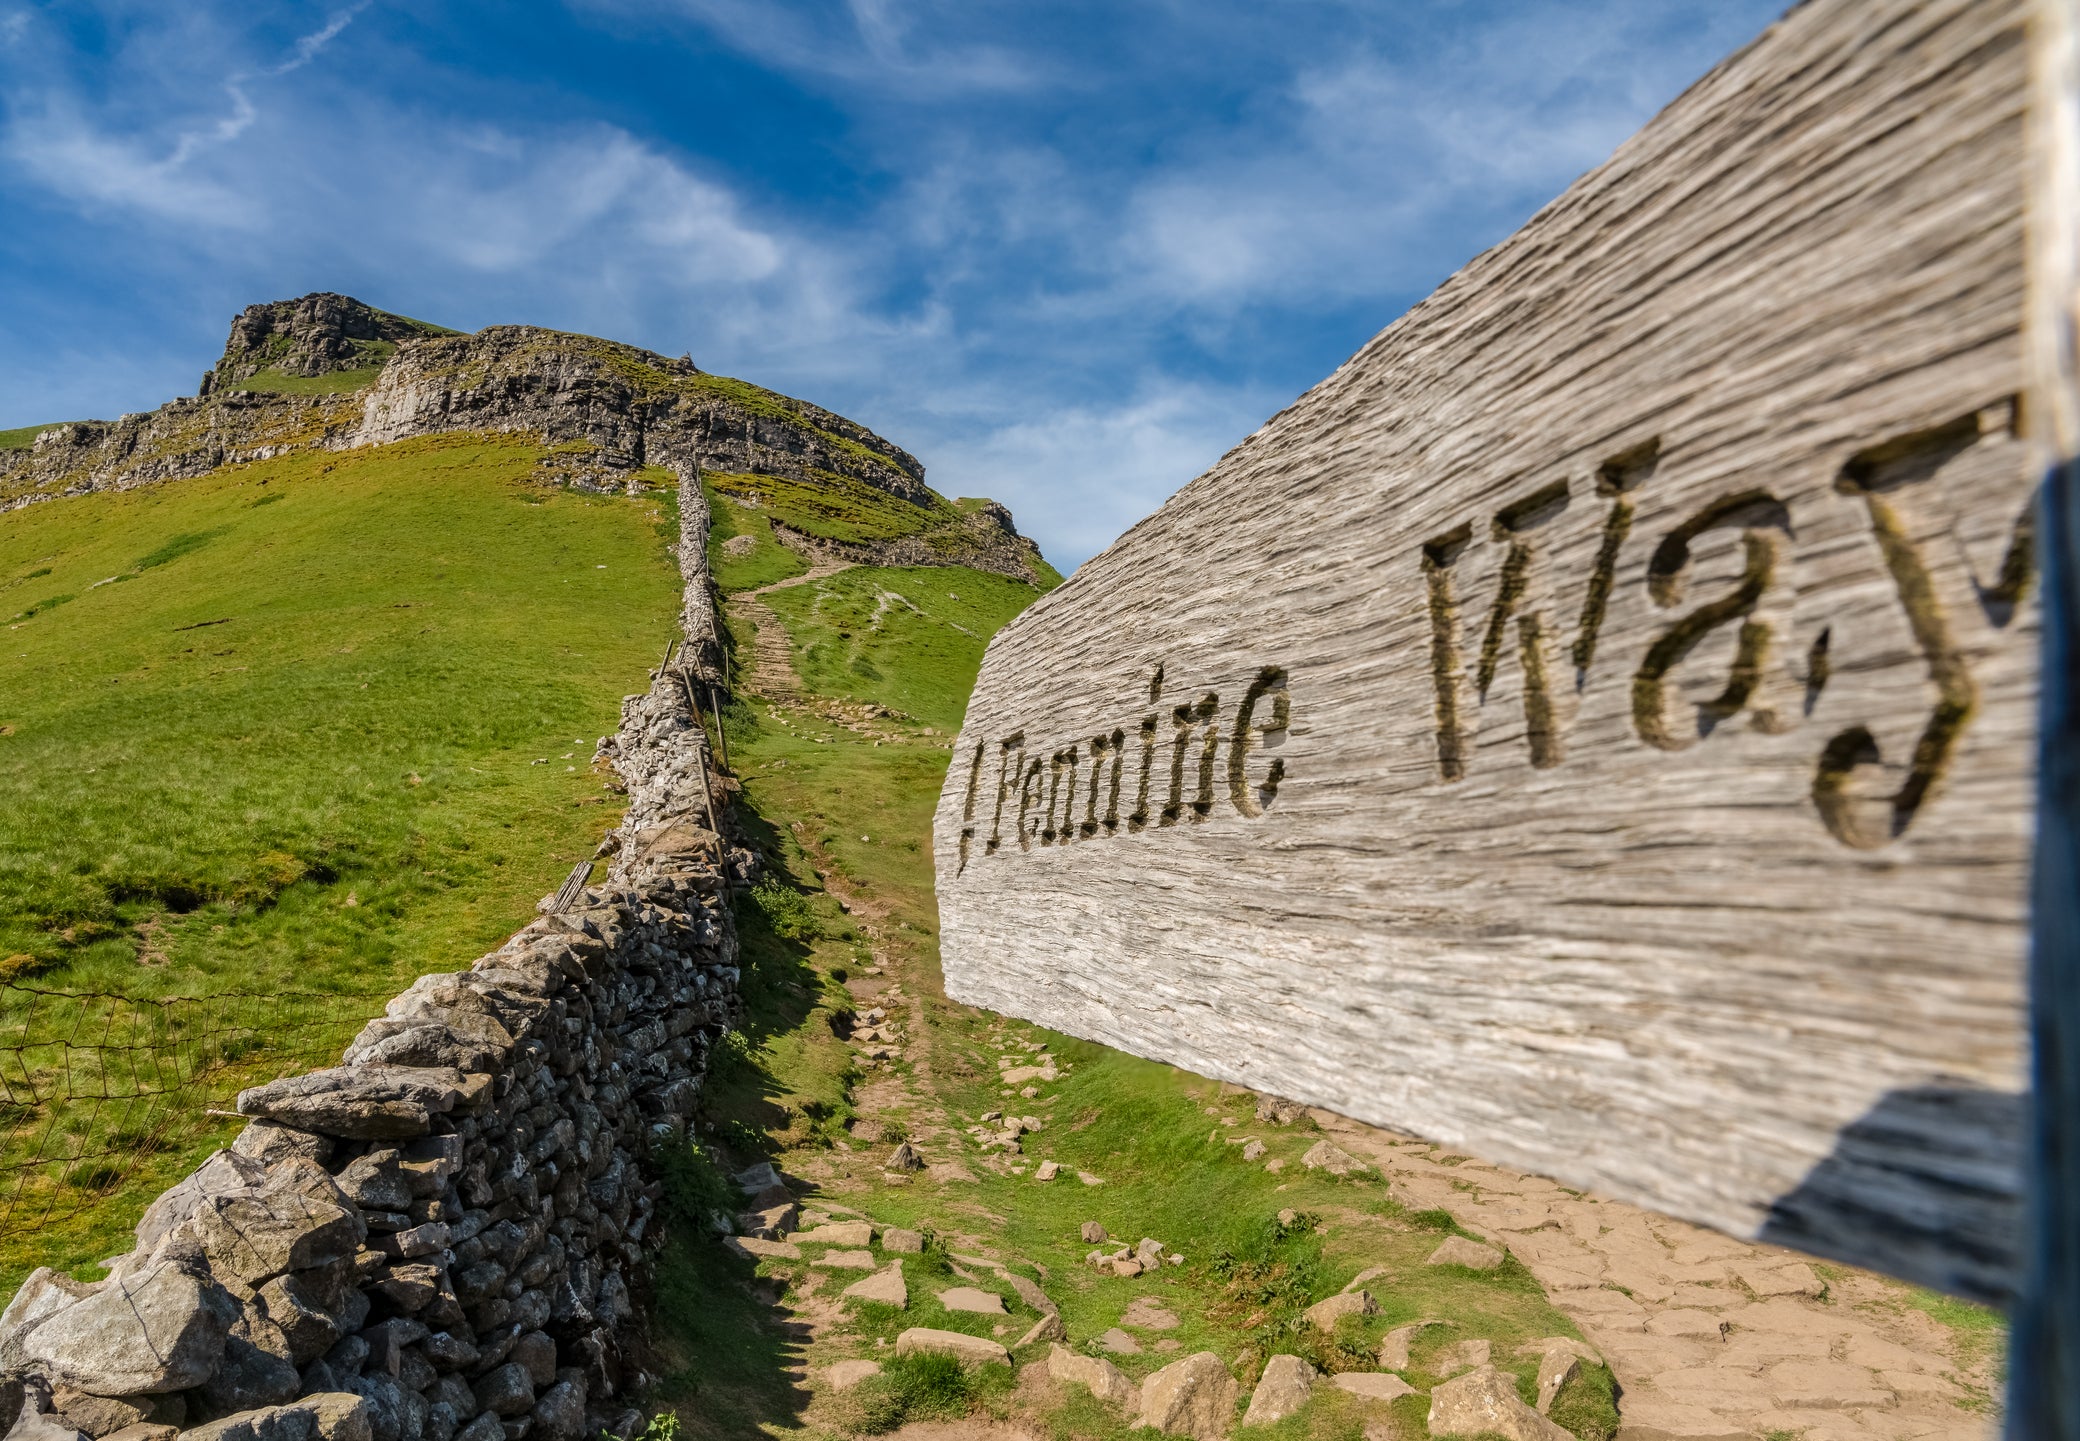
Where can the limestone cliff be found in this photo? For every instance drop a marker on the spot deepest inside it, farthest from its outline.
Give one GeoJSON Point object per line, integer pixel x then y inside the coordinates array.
{"type": "Point", "coordinates": [327, 372]}
{"type": "Point", "coordinates": [317, 335]}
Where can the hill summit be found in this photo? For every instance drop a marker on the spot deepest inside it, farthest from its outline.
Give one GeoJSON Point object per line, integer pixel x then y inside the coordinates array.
{"type": "Point", "coordinates": [326, 371]}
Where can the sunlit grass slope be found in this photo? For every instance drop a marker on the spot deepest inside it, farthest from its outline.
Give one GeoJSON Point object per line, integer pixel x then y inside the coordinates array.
{"type": "Point", "coordinates": [910, 638]}
{"type": "Point", "coordinates": [317, 724]}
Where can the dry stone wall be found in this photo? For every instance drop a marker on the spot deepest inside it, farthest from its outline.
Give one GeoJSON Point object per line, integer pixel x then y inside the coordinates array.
{"type": "Point", "coordinates": [435, 1239]}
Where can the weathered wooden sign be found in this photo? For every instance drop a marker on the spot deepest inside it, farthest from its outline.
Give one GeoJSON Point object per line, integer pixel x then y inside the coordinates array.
{"type": "Point", "coordinates": [1594, 726]}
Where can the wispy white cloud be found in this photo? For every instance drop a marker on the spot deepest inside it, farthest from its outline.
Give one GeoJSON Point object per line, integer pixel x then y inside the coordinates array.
{"type": "Point", "coordinates": [1070, 314]}
{"type": "Point", "coordinates": [1100, 467]}
{"type": "Point", "coordinates": [70, 150]}
{"type": "Point", "coordinates": [893, 47]}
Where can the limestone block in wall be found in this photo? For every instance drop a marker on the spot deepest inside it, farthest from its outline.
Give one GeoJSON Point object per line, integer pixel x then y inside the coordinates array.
{"type": "Point", "coordinates": [1593, 728]}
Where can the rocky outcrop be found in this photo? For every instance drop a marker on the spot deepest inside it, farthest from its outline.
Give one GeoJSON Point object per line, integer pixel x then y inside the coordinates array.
{"type": "Point", "coordinates": [182, 438]}
{"type": "Point", "coordinates": [315, 335]}
{"type": "Point", "coordinates": [982, 539]}
{"type": "Point", "coordinates": [615, 408]}
{"type": "Point", "coordinates": [603, 412]}
{"type": "Point", "coordinates": [434, 1239]}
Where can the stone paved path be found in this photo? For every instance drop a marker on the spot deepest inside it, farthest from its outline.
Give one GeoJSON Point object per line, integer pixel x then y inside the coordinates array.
{"type": "Point", "coordinates": [772, 662]}
{"type": "Point", "coordinates": [1709, 1337]}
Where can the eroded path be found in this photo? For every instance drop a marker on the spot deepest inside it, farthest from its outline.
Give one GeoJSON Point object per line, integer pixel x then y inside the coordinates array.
{"type": "Point", "coordinates": [772, 662]}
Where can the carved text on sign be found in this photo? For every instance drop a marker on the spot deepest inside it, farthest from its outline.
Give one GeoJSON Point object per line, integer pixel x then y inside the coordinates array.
{"type": "Point", "coordinates": [1516, 631]}
{"type": "Point", "coordinates": [1176, 778]}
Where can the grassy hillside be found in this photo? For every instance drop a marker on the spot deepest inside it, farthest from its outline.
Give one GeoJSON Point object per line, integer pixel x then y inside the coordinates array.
{"type": "Point", "coordinates": [313, 725]}
{"type": "Point", "coordinates": [23, 437]}
{"type": "Point", "coordinates": [909, 638]}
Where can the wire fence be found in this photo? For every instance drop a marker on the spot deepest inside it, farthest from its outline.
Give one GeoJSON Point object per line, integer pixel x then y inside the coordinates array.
{"type": "Point", "coordinates": [96, 1087]}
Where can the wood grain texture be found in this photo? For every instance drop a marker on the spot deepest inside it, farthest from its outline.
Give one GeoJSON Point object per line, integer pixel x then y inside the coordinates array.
{"type": "Point", "coordinates": [1594, 727]}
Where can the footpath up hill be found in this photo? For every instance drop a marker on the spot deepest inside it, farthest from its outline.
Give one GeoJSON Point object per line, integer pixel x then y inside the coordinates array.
{"type": "Point", "coordinates": [327, 373]}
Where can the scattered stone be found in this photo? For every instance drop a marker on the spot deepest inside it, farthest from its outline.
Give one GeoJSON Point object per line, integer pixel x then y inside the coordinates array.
{"type": "Point", "coordinates": [1486, 1401]}
{"type": "Point", "coordinates": [886, 1287]}
{"type": "Point", "coordinates": [770, 1198]}
{"type": "Point", "coordinates": [973, 1300]}
{"type": "Point", "coordinates": [904, 1158]}
{"type": "Point", "coordinates": [1252, 1149]}
{"type": "Point", "coordinates": [1278, 1111]}
{"type": "Point", "coordinates": [1462, 1356]}
{"type": "Point", "coordinates": [1458, 1251]}
{"type": "Point", "coordinates": [1288, 1216]}
{"type": "Point", "coordinates": [1030, 1293]}
{"type": "Point", "coordinates": [1555, 1369]}
{"type": "Point", "coordinates": [1103, 1379]}
{"type": "Point", "coordinates": [1047, 1171]}
{"type": "Point", "coordinates": [845, 1375]}
{"type": "Point", "coordinates": [973, 1350]}
{"type": "Point", "coordinates": [772, 1224]}
{"type": "Point", "coordinates": [1370, 1273]}
{"type": "Point", "coordinates": [1119, 1343]}
{"type": "Point", "coordinates": [1125, 1266]}
{"type": "Point", "coordinates": [1047, 1328]}
{"type": "Point", "coordinates": [1325, 1314]}
{"type": "Point", "coordinates": [1337, 1162]}
{"type": "Point", "coordinates": [1393, 1347]}
{"type": "Point", "coordinates": [1149, 1314]}
{"type": "Point", "coordinates": [838, 1233]}
{"type": "Point", "coordinates": [1093, 1232]}
{"type": "Point", "coordinates": [846, 1260]}
{"type": "Point", "coordinates": [1284, 1388]}
{"type": "Point", "coordinates": [903, 1242]}
{"type": "Point", "coordinates": [1275, 1164]}
{"type": "Point", "coordinates": [1193, 1397]}
{"type": "Point", "coordinates": [1372, 1385]}
{"type": "Point", "coordinates": [758, 1178]}
{"type": "Point", "coordinates": [751, 1248]}
{"type": "Point", "coordinates": [1088, 1179]}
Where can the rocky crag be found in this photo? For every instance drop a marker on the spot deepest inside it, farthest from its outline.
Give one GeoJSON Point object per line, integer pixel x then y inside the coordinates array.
{"type": "Point", "coordinates": [327, 372]}
{"type": "Point", "coordinates": [435, 1239]}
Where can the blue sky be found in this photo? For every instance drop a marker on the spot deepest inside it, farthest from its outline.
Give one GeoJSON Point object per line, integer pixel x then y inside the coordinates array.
{"type": "Point", "coordinates": [1066, 252]}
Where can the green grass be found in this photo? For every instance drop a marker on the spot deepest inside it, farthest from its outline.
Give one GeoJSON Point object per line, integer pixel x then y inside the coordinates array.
{"type": "Point", "coordinates": [765, 562]}
{"type": "Point", "coordinates": [834, 507]}
{"type": "Point", "coordinates": [333, 382]}
{"type": "Point", "coordinates": [24, 437]}
{"type": "Point", "coordinates": [910, 638]}
{"type": "Point", "coordinates": [283, 736]}
{"type": "Point", "coordinates": [1978, 1342]}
